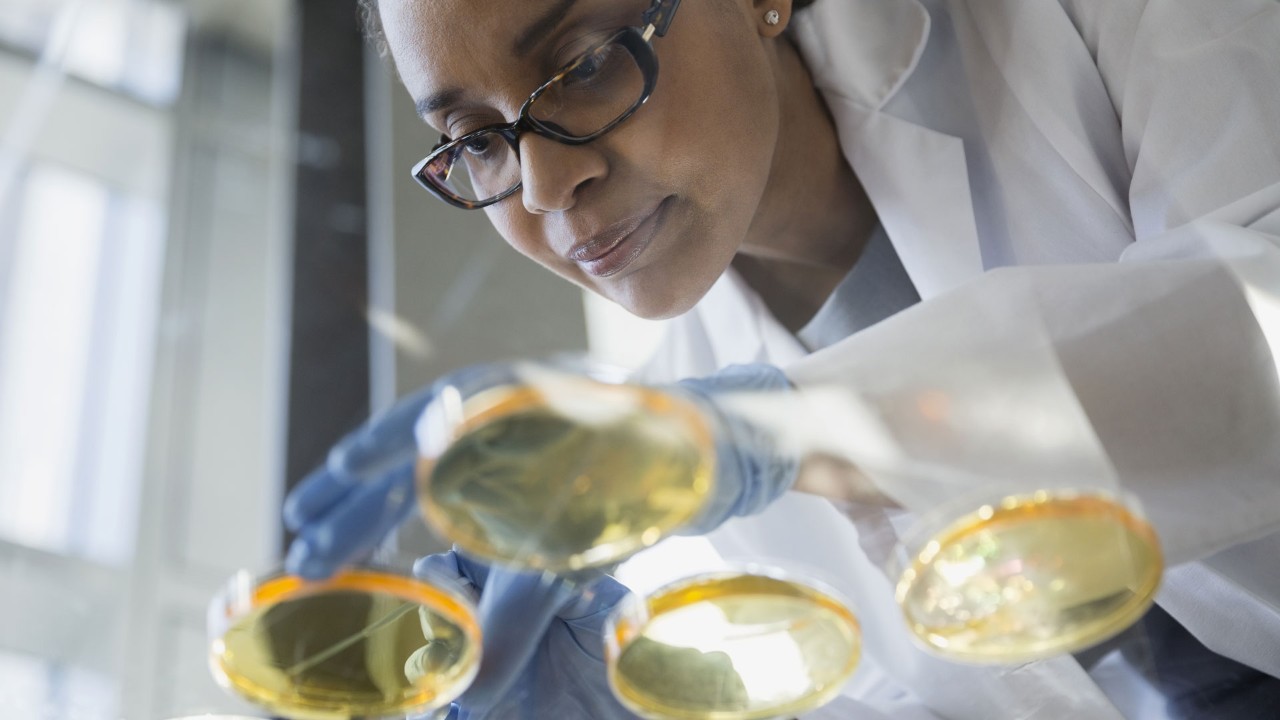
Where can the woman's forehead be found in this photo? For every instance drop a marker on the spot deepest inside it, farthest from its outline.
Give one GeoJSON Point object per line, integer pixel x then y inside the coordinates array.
{"type": "Point", "coordinates": [439, 43]}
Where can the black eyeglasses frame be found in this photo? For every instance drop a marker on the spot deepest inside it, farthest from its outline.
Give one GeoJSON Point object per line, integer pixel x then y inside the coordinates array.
{"type": "Point", "coordinates": [636, 40]}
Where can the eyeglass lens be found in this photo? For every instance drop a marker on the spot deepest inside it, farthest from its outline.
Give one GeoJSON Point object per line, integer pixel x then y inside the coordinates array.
{"type": "Point", "coordinates": [599, 88]}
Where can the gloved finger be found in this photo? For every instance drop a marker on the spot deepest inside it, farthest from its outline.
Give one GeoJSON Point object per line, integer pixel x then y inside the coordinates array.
{"type": "Point", "coordinates": [442, 569]}
{"type": "Point", "coordinates": [385, 440]}
{"type": "Point", "coordinates": [594, 600]}
{"type": "Point", "coordinates": [310, 499]}
{"type": "Point", "coordinates": [516, 610]}
{"type": "Point", "coordinates": [586, 615]}
{"type": "Point", "coordinates": [475, 570]}
{"type": "Point", "coordinates": [354, 527]}
{"type": "Point", "coordinates": [751, 470]}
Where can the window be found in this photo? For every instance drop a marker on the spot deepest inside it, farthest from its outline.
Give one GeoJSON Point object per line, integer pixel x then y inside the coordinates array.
{"type": "Point", "coordinates": [132, 46]}
{"type": "Point", "coordinates": [32, 687]}
{"type": "Point", "coordinates": [77, 309]}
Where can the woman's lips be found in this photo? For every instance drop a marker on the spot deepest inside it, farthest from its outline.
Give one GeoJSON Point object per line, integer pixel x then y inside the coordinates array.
{"type": "Point", "coordinates": [611, 259]}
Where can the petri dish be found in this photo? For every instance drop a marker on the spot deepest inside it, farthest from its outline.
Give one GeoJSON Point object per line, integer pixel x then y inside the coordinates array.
{"type": "Point", "coordinates": [731, 646]}
{"type": "Point", "coordinates": [565, 474]}
{"type": "Point", "coordinates": [366, 643]}
{"type": "Point", "coordinates": [1031, 576]}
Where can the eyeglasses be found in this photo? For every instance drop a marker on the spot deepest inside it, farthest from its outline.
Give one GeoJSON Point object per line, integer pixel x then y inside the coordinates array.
{"type": "Point", "coordinates": [586, 98]}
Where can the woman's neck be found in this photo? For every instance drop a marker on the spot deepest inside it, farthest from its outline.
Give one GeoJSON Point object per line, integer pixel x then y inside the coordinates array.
{"type": "Point", "coordinates": [815, 218]}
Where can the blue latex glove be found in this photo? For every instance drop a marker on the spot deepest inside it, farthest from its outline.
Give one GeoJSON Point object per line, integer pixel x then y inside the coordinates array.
{"type": "Point", "coordinates": [344, 509]}
{"type": "Point", "coordinates": [751, 471]}
{"type": "Point", "coordinates": [542, 636]}
{"type": "Point", "coordinates": [543, 642]}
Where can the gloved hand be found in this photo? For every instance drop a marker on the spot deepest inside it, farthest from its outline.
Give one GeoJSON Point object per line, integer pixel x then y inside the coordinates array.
{"type": "Point", "coordinates": [751, 469]}
{"type": "Point", "coordinates": [543, 651]}
{"type": "Point", "coordinates": [542, 636]}
{"type": "Point", "coordinates": [343, 509]}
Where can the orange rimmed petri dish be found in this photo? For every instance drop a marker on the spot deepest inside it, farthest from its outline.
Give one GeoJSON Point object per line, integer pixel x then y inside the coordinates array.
{"type": "Point", "coordinates": [1030, 576]}
{"type": "Point", "coordinates": [554, 471]}
{"type": "Point", "coordinates": [366, 643]}
{"type": "Point", "coordinates": [731, 646]}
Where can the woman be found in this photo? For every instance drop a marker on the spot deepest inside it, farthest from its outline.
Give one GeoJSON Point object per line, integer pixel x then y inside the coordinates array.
{"type": "Point", "coordinates": [1078, 197]}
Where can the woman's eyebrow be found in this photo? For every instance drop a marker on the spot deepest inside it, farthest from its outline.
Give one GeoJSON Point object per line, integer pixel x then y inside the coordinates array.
{"type": "Point", "coordinates": [542, 27]}
{"type": "Point", "coordinates": [528, 40]}
{"type": "Point", "coordinates": [438, 101]}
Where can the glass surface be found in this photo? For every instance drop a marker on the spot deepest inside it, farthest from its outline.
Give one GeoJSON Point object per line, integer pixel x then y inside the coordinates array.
{"type": "Point", "coordinates": [731, 646]}
{"type": "Point", "coordinates": [567, 475]}
{"type": "Point", "coordinates": [362, 644]}
{"type": "Point", "coordinates": [1031, 576]}
{"type": "Point", "coordinates": [154, 325]}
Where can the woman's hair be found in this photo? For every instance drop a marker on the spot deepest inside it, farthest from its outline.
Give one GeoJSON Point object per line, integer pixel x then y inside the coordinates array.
{"type": "Point", "coordinates": [372, 22]}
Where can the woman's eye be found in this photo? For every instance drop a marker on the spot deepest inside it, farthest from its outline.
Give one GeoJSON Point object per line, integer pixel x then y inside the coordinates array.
{"type": "Point", "coordinates": [589, 66]}
{"type": "Point", "coordinates": [478, 146]}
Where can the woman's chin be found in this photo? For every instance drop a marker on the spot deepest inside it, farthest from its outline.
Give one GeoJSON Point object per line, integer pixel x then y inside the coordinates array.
{"type": "Point", "coordinates": [657, 301]}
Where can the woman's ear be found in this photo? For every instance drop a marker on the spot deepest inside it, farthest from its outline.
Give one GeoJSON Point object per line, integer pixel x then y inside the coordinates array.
{"type": "Point", "coordinates": [772, 16]}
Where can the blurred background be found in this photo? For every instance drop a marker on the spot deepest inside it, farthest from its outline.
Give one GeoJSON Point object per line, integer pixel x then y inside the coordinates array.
{"type": "Point", "coordinates": [213, 263]}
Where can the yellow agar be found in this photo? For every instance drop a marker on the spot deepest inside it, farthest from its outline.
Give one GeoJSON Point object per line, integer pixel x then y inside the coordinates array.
{"type": "Point", "coordinates": [1032, 577]}
{"type": "Point", "coordinates": [363, 644]}
{"type": "Point", "coordinates": [525, 484]}
{"type": "Point", "coordinates": [733, 647]}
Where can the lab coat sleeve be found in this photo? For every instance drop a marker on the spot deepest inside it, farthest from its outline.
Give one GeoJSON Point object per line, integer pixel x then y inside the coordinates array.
{"type": "Point", "coordinates": [1156, 374]}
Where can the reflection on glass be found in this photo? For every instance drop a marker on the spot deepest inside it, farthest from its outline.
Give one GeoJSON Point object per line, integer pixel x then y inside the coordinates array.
{"type": "Point", "coordinates": [1031, 577]}
{"type": "Point", "coordinates": [363, 644]}
{"type": "Point", "coordinates": [731, 646]}
{"type": "Point", "coordinates": [568, 475]}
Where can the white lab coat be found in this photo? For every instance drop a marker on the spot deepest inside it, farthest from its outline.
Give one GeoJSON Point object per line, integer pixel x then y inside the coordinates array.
{"type": "Point", "coordinates": [1086, 194]}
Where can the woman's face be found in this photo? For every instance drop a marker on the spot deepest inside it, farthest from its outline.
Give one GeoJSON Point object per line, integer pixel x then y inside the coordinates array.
{"type": "Point", "coordinates": [669, 194]}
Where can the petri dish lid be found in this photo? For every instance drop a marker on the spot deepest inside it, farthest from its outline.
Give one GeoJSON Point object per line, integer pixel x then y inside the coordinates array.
{"type": "Point", "coordinates": [215, 716]}
{"type": "Point", "coordinates": [732, 646]}
{"type": "Point", "coordinates": [1029, 576]}
{"type": "Point", "coordinates": [368, 643]}
{"type": "Point", "coordinates": [567, 473]}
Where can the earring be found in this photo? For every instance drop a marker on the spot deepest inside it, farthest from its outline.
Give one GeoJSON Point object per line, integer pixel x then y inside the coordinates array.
{"type": "Point", "coordinates": [772, 17]}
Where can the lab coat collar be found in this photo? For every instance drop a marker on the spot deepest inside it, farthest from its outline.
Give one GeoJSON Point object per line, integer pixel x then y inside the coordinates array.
{"type": "Point", "coordinates": [863, 50]}
{"type": "Point", "coordinates": [741, 329]}
{"type": "Point", "coordinates": [1072, 120]}
{"type": "Point", "coordinates": [861, 53]}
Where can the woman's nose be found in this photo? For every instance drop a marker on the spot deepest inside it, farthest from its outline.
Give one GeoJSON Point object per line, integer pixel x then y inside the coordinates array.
{"type": "Point", "coordinates": [554, 174]}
